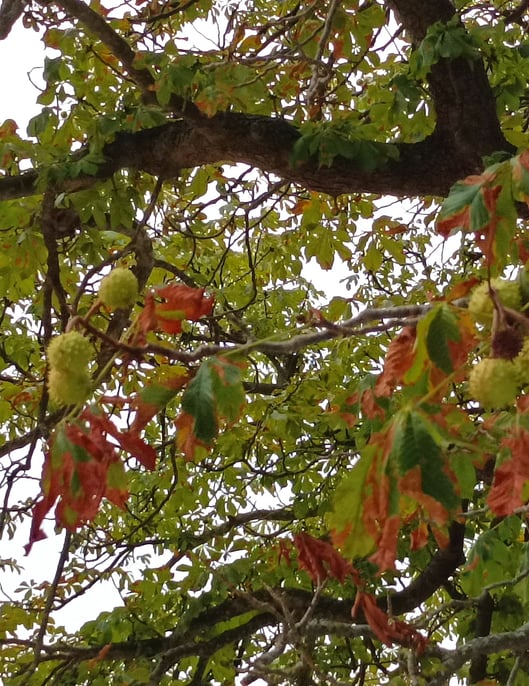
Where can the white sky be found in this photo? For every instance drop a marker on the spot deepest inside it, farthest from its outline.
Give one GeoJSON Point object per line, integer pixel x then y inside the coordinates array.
{"type": "Point", "coordinates": [20, 53]}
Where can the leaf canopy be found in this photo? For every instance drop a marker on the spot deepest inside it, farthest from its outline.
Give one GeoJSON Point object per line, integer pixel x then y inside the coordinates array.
{"type": "Point", "coordinates": [276, 459]}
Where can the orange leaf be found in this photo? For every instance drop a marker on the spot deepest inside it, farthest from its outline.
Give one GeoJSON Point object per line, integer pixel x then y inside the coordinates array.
{"type": "Point", "coordinates": [386, 553]}
{"type": "Point", "coordinates": [419, 536]}
{"type": "Point", "coordinates": [321, 560]}
{"type": "Point", "coordinates": [511, 477]}
{"type": "Point", "coordinates": [100, 656]}
{"type": "Point", "coordinates": [411, 485]}
{"type": "Point", "coordinates": [388, 629]}
{"type": "Point", "coordinates": [399, 358]}
{"type": "Point", "coordinates": [461, 289]}
{"type": "Point", "coordinates": [182, 302]}
{"type": "Point", "coordinates": [186, 440]}
{"type": "Point", "coordinates": [146, 321]}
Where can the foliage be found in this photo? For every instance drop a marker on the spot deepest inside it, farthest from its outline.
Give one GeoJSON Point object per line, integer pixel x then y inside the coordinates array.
{"type": "Point", "coordinates": [287, 478]}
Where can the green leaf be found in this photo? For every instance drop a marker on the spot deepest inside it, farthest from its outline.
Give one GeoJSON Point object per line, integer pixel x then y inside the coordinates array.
{"type": "Point", "coordinates": [442, 328]}
{"type": "Point", "coordinates": [414, 445]}
{"type": "Point", "coordinates": [199, 402]}
{"type": "Point", "coordinates": [227, 388]}
{"type": "Point", "coordinates": [157, 394]}
{"type": "Point", "coordinates": [347, 512]}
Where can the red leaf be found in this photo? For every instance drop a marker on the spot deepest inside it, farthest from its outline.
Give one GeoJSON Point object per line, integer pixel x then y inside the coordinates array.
{"type": "Point", "coordinates": [146, 321]}
{"type": "Point", "coordinates": [511, 477]}
{"type": "Point", "coordinates": [387, 542]}
{"type": "Point", "coordinates": [399, 358]}
{"type": "Point", "coordinates": [321, 560]}
{"type": "Point", "coordinates": [186, 440]}
{"type": "Point", "coordinates": [130, 441]}
{"type": "Point", "coordinates": [182, 302]}
{"type": "Point", "coordinates": [75, 472]}
{"type": "Point", "coordinates": [388, 629]}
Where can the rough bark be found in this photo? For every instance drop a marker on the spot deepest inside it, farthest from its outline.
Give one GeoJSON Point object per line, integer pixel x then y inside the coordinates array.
{"type": "Point", "coordinates": [467, 128]}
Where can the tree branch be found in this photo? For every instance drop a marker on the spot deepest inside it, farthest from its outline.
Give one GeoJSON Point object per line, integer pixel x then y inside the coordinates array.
{"type": "Point", "coordinates": [10, 11]}
{"type": "Point", "coordinates": [430, 167]}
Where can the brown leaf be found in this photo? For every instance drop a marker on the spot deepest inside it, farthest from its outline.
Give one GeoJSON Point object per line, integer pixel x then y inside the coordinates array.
{"type": "Point", "coordinates": [388, 629]}
{"type": "Point", "coordinates": [512, 475]}
{"type": "Point", "coordinates": [399, 358]}
{"type": "Point", "coordinates": [321, 560]}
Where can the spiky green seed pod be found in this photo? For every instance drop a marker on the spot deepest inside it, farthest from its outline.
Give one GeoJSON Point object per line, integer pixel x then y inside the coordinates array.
{"type": "Point", "coordinates": [521, 363]}
{"type": "Point", "coordinates": [70, 352]}
{"type": "Point", "coordinates": [480, 305]}
{"type": "Point", "coordinates": [68, 388]}
{"type": "Point", "coordinates": [119, 289]}
{"type": "Point", "coordinates": [493, 383]}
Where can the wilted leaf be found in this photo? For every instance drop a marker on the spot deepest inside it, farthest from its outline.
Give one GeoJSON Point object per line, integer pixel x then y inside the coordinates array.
{"type": "Point", "coordinates": [321, 560]}
{"type": "Point", "coordinates": [399, 358]}
{"type": "Point", "coordinates": [346, 518]}
{"type": "Point", "coordinates": [181, 302]}
{"type": "Point", "coordinates": [387, 629]}
{"type": "Point", "coordinates": [509, 488]}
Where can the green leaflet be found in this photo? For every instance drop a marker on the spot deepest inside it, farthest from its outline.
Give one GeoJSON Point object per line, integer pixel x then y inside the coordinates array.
{"type": "Point", "coordinates": [348, 508]}
{"type": "Point", "coordinates": [442, 328]}
{"type": "Point", "coordinates": [199, 402]}
{"type": "Point", "coordinates": [414, 445]}
{"type": "Point", "coordinates": [215, 392]}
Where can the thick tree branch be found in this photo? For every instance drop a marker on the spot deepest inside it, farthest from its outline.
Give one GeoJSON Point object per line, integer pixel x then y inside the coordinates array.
{"type": "Point", "coordinates": [10, 11]}
{"type": "Point", "coordinates": [513, 641]}
{"type": "Point", "coordinates": [462, 97]}
{"type": "Point", "coordinates": [426, 168]}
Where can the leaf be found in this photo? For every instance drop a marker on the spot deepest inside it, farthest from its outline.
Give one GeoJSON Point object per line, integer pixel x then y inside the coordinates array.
{"type": "Point", "coordinates": [215, 393]}
{"type": "Point", "coordinates": [321, 560]}
{"type": "Point", "coordinates": [386, 552]}
{"type": "Point", "coordinates": [186, 439]}
{"type": "Point", "coordinates": [422, 467]}
{"type": "Point", "coordinates": [511, 477]}
{"type": "Point", "coordinates": [227, 388]}
{"type": "Point", "coordinates": [387, 629]}
{"type": "Point", "coordinates": [520, 176]}
{"type": "Point", "coordinates": [77, 484]}
{"type": "Point", "coordinates": [399, 359]}
{"type": "Point", "coordinates": [182, 302]}
{"type": "Point", "coordinates": [346, 518]}
{"type": "Point", "coordinates": [130, 441]}
{"type": "Point", "coordinates": [199, 403]}
{"type": "Point", "coordinates": [466, 207]}
{"type": "Point", "coordinates": [442, 329]}
{"type": "Point", "coordinates": [483, 205]}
